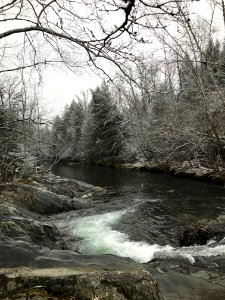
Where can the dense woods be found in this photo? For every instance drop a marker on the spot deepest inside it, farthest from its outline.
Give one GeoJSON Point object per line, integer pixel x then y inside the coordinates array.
{"type": "Point", "coordinates": [162, 104]}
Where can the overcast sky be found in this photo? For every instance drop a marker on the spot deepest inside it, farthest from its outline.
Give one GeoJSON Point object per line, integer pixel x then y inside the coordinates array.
{"type": "Point", "coordinates": [61, 87]}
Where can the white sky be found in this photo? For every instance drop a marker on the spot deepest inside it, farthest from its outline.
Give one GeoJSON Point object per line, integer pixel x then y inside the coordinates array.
{"type": "Point", "coordinates": [61, 87]}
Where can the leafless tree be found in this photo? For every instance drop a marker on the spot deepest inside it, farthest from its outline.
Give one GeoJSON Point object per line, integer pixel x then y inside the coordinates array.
{"type": "Point", "coordinates": [77, 33]}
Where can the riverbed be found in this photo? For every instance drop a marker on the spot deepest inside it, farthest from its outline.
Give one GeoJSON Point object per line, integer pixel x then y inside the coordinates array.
{"type": "Point", "coordinates": [143, 215]}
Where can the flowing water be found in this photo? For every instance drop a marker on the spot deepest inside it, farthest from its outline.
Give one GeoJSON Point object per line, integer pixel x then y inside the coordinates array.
{"type": "Point", "coordinates": [144, 214]}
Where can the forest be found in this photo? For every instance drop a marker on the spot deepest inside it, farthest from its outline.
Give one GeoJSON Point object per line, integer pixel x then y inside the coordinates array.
{"type": "Point", "coordinates": [163, 103]}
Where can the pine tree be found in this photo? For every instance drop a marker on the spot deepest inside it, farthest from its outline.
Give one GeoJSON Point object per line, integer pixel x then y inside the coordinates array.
{"type": "Point", "coordinates": [102, 135]}
{"type": "Point", "coordinates": [213, 68]}
{"type": "Point", "coordinates": [74, 119]}
{"type": "Point", "coordinates": [67, 131]}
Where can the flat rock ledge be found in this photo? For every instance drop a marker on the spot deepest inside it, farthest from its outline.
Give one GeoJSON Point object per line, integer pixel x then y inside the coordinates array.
{"type": "Point", "coordinates": [82, 284]}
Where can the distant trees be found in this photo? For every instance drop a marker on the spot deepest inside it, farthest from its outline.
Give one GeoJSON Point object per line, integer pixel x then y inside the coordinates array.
{"type": "Point", "coordinates": [66, 131]}
{"type": "Point", "coordinates": [91, 133]}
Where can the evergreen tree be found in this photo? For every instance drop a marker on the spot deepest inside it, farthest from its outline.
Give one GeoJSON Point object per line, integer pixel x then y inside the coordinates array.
{"type": "Point", "coordinates": [214, 66]}
{"type": "Point", "coordinates": [74, 118]}
{"type": "Point", "coordinates": [189, 90]}
{"type": "Point", "coordinates": [102, 135]}
{"type": "Point", "coordinates": [58, 131]}
{"type": "Point", "coordinates": [67, 131]}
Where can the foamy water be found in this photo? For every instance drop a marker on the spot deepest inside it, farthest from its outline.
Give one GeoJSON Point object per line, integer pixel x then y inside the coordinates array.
{"type": "Point", "coordinates": [99, 238]}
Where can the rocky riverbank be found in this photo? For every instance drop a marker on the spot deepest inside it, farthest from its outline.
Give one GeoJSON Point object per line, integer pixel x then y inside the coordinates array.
{"type": "Point", "coordinates": [37, 262]}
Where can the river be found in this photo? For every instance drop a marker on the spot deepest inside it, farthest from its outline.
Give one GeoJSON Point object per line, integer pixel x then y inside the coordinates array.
{"type": "Point", "coordinates": [144, 214]}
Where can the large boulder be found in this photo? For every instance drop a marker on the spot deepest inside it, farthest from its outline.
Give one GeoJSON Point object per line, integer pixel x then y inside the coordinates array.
{"type": "Point", "coordinates": [68, 187]}
{"type": "Point", "coordinates": [23, 214]}
{"type": "Point", "coordinates": [32, 231]}
{"type": "Point", "coordinates": [20, 199]}
{"type": "Point", "coordinates": [200, 232]}
{"type": "Point", "coordinates": [178, 279]}
{"type": "Point", "coordinates": [38, 200]}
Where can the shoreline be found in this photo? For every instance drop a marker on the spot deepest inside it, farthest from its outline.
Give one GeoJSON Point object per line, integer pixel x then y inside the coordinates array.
{"type": "Point", "coordinates": [195, 173]}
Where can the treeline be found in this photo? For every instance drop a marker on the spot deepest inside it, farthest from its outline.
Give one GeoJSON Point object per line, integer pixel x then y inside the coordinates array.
{"type": "Point", "coordinates": [90, 132]}
{"type": "Point", "coordinates": [166, 111]}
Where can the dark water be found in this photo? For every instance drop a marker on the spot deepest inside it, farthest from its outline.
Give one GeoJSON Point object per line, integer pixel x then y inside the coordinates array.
{"type": "Point", "coordinates": [158, 206]}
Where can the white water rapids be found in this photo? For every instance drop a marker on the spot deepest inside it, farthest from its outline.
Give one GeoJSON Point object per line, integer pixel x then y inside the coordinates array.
{"type": "Point", "coordinates": [98, 237]}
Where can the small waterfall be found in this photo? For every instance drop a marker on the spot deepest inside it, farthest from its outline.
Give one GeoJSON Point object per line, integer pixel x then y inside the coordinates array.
{"type": "Point", "coordinates": [99, 238]}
